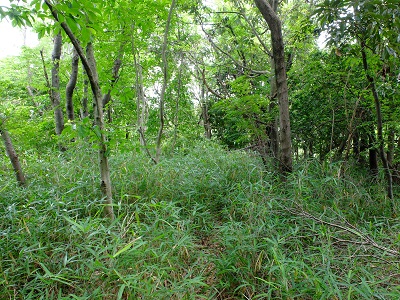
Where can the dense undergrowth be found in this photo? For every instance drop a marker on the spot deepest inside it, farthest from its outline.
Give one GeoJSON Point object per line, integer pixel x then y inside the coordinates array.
{"type": "Point", "coordinates": [203, 224]}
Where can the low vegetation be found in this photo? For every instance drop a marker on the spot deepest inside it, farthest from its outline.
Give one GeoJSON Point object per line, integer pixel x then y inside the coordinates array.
{"type": "Point", "coordinates": [204, 223]}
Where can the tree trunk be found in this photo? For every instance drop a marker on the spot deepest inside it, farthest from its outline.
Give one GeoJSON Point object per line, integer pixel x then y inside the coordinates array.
{"type": "Point", "coordinates": [115, 76]}
{"type": "Point", "coordinates": [165, 81]}
{"type": "Point", "coordinates": [274, 24]}
{"type": "Point", "coordinates": [85, 111]}
{"type": "Point", "coordinates": [141, 103]}
{"type": "Point", "coordinates": [272, 127]}
{"type": "Point", "coordinates": [91, 70]}
{"type": "Point", "coordinates": [55, 85]}
{"type": "Point", "coordinates": [178, 96]}
{"type": "Point", "coordinates": [69, 90]}
{"type": "Point", "coordinates": [13, 157]}
{"type": "Point", "coordinates": [373, 162]}
{"type": "Point", "coordinates": [391, 140]}
{"type": "Point", "coordinates": [105, 185]}
{"type": "Point", "coordinates": [204, 110]}
{"type": "Point", "coordinates": [371, 82]}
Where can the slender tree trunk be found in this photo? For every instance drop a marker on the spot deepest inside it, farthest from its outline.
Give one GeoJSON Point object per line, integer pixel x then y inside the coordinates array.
{"type": "Point", "coordinates": [85, 111]}
{"type": "Point", "coordinates": [272, 127]}
{"type": "Point", "coordinates": [363, 147]}
{"type": "Point", "coordinates": [13, 156]}
{"type": "Point", "coordinates": [69, 90]}
{"type": "Point", "coordinates": [178, 96]}
{"type": "Point", "coordinates": [371, 82]}
{"type": "Point", "coordinates": [29, 84]}
{"type": "Point", "coordinates": [356, 145]}
{"type": "Point", "coordinates": [274, 24]}
{"type": "Point", "coordinates": [305, 151]}
{"type": "Point", "coordinates": [373, 160]}
{"type": "Point", "coordinates": [165, 81]}
{"type": "Point", "coordinates": [115, 76]}
{"type": "Point", "coordinates": [204, 109]}
{"type": "Point", "coordinates": [141, 103]}
{"type": "Point", "coordinates": [91, 70]}
{"type": "Point", "coordinates": [55, 85]}
{"type": "Point", "coordinates": [99, 121]}
{"type": "Point", "coordinates": [391, 140]}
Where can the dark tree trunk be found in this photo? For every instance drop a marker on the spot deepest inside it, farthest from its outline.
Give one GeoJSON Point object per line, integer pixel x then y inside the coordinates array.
{"type": "Point", "coordinates": [371, 82]}
{"type": "Point", "coordinates": [13, 157]}
{"type": "Point", "coordinates": [69, 90]}
{"type": "Point", "coordinates": [115, 76]}
{"type": "Point", "coordinates": [373, 156]}
{"type": "Point", "coordinates": [55, 85]}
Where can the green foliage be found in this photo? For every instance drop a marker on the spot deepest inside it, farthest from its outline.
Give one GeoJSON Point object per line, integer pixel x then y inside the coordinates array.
{"type": "Point", "coordinates": [369, 20]}
{"type": "Point", "coordinates": [204, 224]}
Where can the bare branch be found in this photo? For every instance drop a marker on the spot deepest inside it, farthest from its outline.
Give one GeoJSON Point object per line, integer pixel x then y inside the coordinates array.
{"type": "Point", "coordinates": [349, 228]}
{"type": "Point", "coordinates": [215, 46]}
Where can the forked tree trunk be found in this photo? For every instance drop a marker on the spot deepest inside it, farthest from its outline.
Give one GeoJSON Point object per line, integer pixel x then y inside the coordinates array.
{"type": "Point", "coordinates": [91, 70]}
{"type": "Point", "coordinates": [13, 157]}
{"type": "Point", "coordinates": [274, 24]}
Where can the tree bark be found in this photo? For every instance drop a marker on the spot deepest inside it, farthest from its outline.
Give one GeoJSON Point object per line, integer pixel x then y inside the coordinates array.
{"type": "Point", "coordinates": [69, 90]}
{"type": "Point", "coordinates": [272, 127]}
{"type": "Point", "coordinates": [55, 85]}
{"type": "Point", "coordinates": [165, 81]}
{"type": "Point", "coordinates": [91, 71]}
{"type": "Point", "coordinates": [274, 24]}
{"type": "Point", "coordinates": [85, 111]}
{"type": "Point", "coordinates": [105, 185]}
{"type": "Point", "coordinates": [13, 157]}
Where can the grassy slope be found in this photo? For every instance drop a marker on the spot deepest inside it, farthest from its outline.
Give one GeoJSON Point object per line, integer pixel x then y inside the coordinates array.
{"type": "Point", "coordinates": [206, 224]}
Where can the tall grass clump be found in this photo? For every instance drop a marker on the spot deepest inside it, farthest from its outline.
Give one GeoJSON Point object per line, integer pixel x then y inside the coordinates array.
{"type": "Point", "coordinates": [205, 223]}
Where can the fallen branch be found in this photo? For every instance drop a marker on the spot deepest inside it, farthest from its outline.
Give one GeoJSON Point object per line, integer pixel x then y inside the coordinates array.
{"type": "Point", "coordinates": [349, 228]}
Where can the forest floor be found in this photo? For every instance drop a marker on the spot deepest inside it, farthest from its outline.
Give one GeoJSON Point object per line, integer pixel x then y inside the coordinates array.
{"type": "Point", "coordinates": [205, 223]}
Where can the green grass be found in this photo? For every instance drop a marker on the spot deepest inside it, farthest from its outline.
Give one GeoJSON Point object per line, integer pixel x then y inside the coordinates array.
{"type": "Point", "coordinates": [204, 224]}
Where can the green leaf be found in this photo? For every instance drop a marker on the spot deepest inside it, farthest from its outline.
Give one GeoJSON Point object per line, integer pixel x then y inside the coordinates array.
{"type": "Point", "coordinates": [126, 247]}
